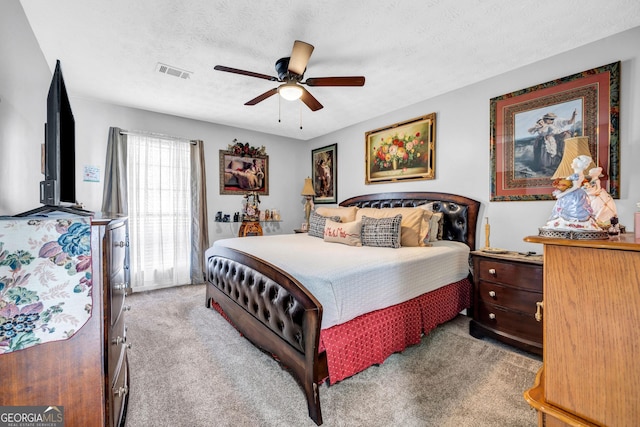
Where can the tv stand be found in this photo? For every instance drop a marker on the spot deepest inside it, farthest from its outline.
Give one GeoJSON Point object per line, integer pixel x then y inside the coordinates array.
{"type": "Point", "coordinates": [42, 210]}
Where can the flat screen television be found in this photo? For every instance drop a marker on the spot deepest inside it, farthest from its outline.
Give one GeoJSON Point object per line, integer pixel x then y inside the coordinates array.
{"type": "Point", "coordinates": [58, 190]}
{"type": "Point", "coordinates": [59, 185]}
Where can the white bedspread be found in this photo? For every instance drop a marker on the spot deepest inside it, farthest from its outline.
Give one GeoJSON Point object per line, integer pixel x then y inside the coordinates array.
{"type": "Point", "coordinates": [350, 281]}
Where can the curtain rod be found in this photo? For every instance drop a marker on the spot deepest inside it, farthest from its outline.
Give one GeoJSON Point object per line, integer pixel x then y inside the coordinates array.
{"type": "Point", "coordinates": [157, 135]}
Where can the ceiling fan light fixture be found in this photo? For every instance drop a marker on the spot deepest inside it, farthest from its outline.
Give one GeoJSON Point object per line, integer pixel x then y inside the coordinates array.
{"type": "Point", "coordinates": [290, 91]}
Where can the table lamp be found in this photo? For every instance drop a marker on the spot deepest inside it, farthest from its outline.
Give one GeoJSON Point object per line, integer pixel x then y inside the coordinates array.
{"type": "Point", "coordinates": [308, 193]}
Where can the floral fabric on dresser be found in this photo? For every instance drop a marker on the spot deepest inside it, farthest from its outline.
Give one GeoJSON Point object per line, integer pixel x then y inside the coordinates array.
{"type": "Point", "coordinates": [45, 280]}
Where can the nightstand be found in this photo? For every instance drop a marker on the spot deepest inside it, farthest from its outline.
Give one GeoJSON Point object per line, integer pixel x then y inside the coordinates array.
{"type": "Point", "coordinates": [250, 228]}
{"type": "Point", "coordinates": [506, 290]}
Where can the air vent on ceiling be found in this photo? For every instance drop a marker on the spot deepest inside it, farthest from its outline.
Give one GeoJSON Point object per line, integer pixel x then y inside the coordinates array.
{"type": "Point", "coordinates": [173, 71]}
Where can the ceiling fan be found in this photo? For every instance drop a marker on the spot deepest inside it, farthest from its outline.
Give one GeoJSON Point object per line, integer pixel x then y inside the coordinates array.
{"type": "Point", "coordinates": [290, 73]}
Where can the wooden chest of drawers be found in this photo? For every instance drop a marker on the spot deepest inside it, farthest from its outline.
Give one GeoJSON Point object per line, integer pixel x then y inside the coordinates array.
{"type": "Point", "coordinates": [506, 289]}
{"type": "Point", "coordinates": [88, 373]}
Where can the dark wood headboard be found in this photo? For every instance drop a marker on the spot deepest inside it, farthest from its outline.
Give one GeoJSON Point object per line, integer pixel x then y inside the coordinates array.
{"type": "Point", "coordinates": [460, 212]}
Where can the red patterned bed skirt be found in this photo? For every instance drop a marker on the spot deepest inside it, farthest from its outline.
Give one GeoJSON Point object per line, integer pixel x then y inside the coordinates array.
{"type": "Point", "coordinates": [369, 339]}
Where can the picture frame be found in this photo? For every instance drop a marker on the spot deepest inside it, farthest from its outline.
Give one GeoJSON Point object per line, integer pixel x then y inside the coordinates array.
{"type": "Point", "coordinates": [526, 150]}
{"type": "Point", "coordinates": [403, 151]}
{"type": "Point", "coordinates": [244, 169]}
{"type": "Point", "coordinates": [324, 163]}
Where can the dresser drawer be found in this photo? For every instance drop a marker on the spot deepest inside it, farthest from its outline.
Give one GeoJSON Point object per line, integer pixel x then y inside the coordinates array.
{"type": "Point", "coordinates": [117, 240]}
{"type": "Point", "coordinates": [509, 297]}
{"type": "Point", "coordinates": [116, 344]}
{"type": "Point", "coordinates": [117, 291]}
{"type": "Point", "coordinates": [119, 392]}
{"type": "Point", "coordinates": [522, 275]}
{"type": "Point", "coordinates": [522, 325]}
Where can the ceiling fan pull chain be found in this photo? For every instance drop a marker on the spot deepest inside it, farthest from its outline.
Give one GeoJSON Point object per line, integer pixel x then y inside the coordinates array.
{"type": "Point", "coordinates": [279, 108]}
{"type": "Point", "coordinates": [300, 116]}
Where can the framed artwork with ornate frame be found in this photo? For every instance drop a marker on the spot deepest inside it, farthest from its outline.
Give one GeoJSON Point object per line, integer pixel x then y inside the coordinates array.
{"type": "Point", "coordinates": [324, 162]}
{"type": "Point", "coordinates": [529, 126]}
{"type": "Point", "coordinates": [403, 151]}
{"type": "Point", "coordinates": [244, 168]}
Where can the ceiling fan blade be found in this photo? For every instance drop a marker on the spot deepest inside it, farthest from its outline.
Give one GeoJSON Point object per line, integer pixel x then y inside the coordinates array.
{"type": "Point", "coordinates": [262, 97]}
{"type": "Point", "coordinates": [335, 81]}
{"type": "Point", "coordinates": [310, 101]}
{"type": "Point", "coordinates": [245, 73]}
{"type": "Point", "coordinates": [300, 55]}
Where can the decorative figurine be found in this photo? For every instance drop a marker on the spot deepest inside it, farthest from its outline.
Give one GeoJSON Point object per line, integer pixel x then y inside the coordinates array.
{"type": "Point", "coordinates": [572, 215]}
{"type": "Point", "coordinates": [604, 208]}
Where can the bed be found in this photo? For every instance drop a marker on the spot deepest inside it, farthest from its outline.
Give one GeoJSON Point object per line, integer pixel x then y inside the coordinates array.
{"type": "Point", "coordinates": [283, 306]}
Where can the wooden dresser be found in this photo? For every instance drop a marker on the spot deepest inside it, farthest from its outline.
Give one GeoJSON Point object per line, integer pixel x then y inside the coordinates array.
{"type": "Point", "coordinates": [507, 287]}
{"type": "Point", "coordinates": [591, 359]}
{"type": "Point", "coordinates": [86, 374]}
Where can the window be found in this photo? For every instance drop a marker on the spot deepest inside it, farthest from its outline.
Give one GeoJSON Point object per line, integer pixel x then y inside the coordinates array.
{"type": "Point", "coordinates": [159, 200]}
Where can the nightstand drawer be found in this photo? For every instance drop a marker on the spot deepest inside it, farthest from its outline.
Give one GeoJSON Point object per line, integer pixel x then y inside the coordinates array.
{"type": "Point", "coordinates": [510, 273]}
{"type": "Point", "coordinates": [508, 297]}
{"type": "Point", "coordinates": [521, 325]}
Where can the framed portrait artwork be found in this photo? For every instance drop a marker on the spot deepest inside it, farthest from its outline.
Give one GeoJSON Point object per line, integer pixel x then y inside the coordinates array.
{"type": "Point", "coordinates": [244, 169]}
{"type": "Point", "coordinates": [401, 152]}
{"type": "Point", "coordinates": [324, 162]}
{"type": "Point", "coordinates": [531, 128]}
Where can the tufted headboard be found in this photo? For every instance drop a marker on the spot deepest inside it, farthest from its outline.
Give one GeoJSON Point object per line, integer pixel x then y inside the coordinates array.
{"type": "Point", "coordinates": [460, 213]}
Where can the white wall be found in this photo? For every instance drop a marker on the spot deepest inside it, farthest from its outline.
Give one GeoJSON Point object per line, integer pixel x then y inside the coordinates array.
{"type": "Point", "coordinates": [462, 141]}
{"type": "Point", "coordinates": [462, 144]}
{"type": "Point", "coordinates": [24, 83]}
{"type": "Point", "coordinates": [287, 159]}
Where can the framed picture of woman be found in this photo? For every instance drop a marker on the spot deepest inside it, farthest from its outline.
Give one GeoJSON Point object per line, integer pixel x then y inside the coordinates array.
{"type": "Point", "coordinates": [324, 163]}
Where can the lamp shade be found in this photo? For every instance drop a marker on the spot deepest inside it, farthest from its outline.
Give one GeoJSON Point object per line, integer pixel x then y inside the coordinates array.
{"type": "Point", "coordinates": [290, 91]}
{"type": "Point", "coordinates": [573, 147]}
{"type": "Point", "coordinates": [307, 190]}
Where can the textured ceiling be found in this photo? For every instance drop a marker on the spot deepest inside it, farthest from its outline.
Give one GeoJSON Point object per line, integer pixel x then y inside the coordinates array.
{"type": "Point", "coordinates": [408, 51]}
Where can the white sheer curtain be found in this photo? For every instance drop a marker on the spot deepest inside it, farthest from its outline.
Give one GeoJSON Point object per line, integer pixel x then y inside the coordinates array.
{"type": "Point", "coordinates": [160, 211]}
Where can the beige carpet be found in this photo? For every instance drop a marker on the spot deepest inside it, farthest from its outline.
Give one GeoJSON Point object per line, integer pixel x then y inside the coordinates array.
{"type": "Point", "coordinates": [189, 367]}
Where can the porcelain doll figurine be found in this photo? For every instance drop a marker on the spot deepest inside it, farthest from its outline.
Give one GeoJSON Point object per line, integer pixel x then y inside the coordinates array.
{"type": "Point", "coordinates": [602, 204]}
{"type": "Point", "coordinates": [572, 209]}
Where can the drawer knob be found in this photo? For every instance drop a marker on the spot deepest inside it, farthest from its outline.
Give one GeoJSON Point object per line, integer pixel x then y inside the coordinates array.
{"type": "Point", "coordinates": [120, 286]}
{"type": "Point", "coordinates": [492, 271]}
{"type": "Point", "coordinates": [126, 308]}
{"type": "Point", "coordinates": [120, 244]}
{"type": "Point", "coordinates": [492, 294]}
{"type": "Point", "coordinates": [121, 391]}
{"type": "Point", "coordinates": [539, 307]}
{"type": "Point", "coordinates": [492, 316]}
{"type": "Point", "coordinates": [118, 340]}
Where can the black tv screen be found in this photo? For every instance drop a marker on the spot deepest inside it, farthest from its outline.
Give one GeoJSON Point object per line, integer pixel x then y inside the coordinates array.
{"type": "Point", "coordinates": [60, 158]}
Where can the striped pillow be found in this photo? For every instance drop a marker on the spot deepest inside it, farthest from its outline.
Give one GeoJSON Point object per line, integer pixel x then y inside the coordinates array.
{"type": "Point", "coordinates": [381, 232]}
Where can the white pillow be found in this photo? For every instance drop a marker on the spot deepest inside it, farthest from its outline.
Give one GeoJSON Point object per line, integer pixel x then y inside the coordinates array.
{"type": "Point", "coordinates": [347, 233]}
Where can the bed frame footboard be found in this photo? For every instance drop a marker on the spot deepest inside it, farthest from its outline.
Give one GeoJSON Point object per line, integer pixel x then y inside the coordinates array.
{"type": "Point", "coordinates": [284, 317]}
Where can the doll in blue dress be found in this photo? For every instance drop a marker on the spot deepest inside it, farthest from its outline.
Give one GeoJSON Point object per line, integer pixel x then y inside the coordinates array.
{"type": "Point", "coordinates": [572, 209]}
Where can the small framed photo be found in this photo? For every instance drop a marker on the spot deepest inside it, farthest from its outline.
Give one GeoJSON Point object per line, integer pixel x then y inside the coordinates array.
{"type": "Point", "coordinates": [324, 162]}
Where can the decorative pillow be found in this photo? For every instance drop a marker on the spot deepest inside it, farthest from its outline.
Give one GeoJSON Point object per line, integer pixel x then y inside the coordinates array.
{"type": "Point", "coordinates": [346, 214]}
{"type": "Point", "coordinates": [345, 233]}
{"type": "Point", "coordinates": [414, 226]}
{"type": "Point", "coordinates": [317, 223]}
{"type": "Point", "coordinates": [381, 232]}
{"type": "Point", "coordinates": [436, 222]}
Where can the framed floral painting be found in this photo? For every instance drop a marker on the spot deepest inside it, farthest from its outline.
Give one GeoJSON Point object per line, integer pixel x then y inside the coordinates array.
{"type": "Point", "coordinates": [530, 129]}
{"type": "Point", "coordinates": [325, 174]}
{"type": "Point", "coordinates": [401, 152]}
